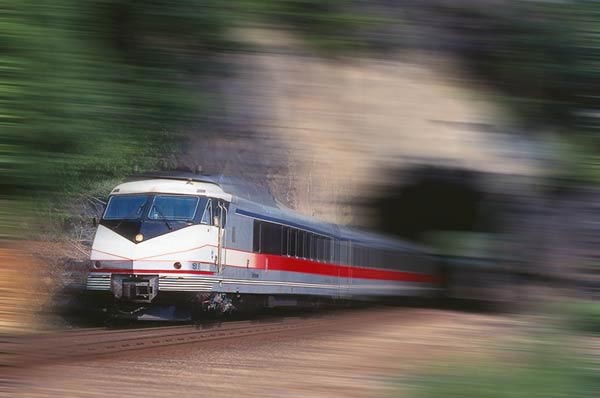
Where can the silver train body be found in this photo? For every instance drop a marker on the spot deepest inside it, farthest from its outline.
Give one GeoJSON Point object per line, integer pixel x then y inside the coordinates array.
{"type": "Point", "coordinates": [183, 237]}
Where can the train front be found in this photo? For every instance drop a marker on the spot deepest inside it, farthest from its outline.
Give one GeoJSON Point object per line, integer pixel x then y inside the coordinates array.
{"type": "Point", "coordinates": [157, 248]}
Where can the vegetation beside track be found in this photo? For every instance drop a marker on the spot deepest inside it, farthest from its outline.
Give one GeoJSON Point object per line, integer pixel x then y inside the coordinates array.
{"type": "Point", "coordinates": [552, 358]}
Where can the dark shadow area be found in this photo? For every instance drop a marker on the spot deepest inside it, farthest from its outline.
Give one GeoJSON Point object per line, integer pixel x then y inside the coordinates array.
{"type": "Point", "coordinates": [431, 198]}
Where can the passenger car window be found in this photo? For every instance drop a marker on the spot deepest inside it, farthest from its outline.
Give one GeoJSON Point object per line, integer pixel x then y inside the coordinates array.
{"type": "Point", "coordinates": [292, 242]}
{"type": "Point", "coordinates": [270, 238]}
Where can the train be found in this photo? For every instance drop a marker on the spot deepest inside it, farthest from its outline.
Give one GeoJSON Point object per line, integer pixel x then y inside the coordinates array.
{"type": "Point", "coordinates": [181, 245]}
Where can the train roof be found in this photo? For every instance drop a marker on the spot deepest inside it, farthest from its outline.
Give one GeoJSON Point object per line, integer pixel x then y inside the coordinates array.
{"type": "Point", "coordinates": [256, 201]}
{"type": "Point", "coordinates": [286, 216]}
{"type": "Point", "coordinates": [234, 186]}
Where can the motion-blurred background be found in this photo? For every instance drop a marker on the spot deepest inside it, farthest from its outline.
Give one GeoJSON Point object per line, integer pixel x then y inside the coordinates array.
{"type": "Point", "coordinates": [470, 126]}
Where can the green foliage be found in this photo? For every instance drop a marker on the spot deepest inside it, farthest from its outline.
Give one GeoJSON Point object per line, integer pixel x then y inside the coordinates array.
{"type": "Point", "coordinates": [545, 370]}
{"type": "Point", "coordinates": [555, 362]}
{"type": "Point", "coordinates": [543, 56]}
{"type": "Point", "coordinates": [93, 80]}
{"type": "Point", "coordinates": [328, 26]}
{"type": "Point", "coordinates": [585, 317]}
{"type": "Point", "coordinates": [91, 88]}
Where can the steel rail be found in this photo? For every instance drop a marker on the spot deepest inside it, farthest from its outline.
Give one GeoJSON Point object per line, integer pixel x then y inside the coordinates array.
{"type": "Point", "coordinates": [33, 350]}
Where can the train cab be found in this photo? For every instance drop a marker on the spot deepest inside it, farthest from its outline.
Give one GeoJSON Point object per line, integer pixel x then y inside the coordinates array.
{"type": "Point", "coordinates": [154, 230]}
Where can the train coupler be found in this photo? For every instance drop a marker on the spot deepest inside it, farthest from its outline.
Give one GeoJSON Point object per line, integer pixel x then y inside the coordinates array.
{"type": "Point", "coordinates": [134, 288]}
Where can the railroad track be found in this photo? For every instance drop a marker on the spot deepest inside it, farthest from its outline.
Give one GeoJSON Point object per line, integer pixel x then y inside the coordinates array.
{"type": "Point", "coordinates": [32, 350]}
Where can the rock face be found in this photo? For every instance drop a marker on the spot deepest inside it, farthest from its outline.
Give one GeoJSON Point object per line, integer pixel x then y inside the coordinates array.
{"type": "Point", "coordinates": [21, 290]}
{"type": "Point", "coordinates": [36, 277]}
{"type": "Point", "coordinates": [570, 241]}
{"type": "Point", "coordinates": [323, 131]}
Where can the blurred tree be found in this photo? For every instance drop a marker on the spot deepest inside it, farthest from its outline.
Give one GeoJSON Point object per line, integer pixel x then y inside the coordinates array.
{"type": "Point", "coordinates": [331, 27]}
{"type": "Point", "coordinates": [91, 88]}
{"type": "Point", "coordinates": [543, 56]}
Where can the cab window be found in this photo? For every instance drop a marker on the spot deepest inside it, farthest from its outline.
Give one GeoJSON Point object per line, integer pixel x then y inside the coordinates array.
{"type": "Point", "coordinates": [125, 207]}
{"type": "Point", "coordinates": [207, 217]}
{"type": "Point", "coordinates": [167, 207]}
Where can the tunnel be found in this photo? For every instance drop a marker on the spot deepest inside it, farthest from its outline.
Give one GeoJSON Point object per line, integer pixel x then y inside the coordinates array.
{"type": "Point", "coordinates": [419, 200]}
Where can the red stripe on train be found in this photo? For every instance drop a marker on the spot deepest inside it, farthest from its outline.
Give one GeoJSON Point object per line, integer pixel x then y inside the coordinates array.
{"type": "Point", "coordinates": [291, 264]}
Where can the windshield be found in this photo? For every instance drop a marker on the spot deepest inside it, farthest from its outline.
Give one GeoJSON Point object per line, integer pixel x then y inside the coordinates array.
{"type": "Point", "coordinates": [173, 208]}
{"type": "Point", "coordinates": [129, 207]}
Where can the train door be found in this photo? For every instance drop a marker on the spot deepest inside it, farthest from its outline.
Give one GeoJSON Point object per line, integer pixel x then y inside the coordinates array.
{"type": "Point", "coordinates": [220, 220]}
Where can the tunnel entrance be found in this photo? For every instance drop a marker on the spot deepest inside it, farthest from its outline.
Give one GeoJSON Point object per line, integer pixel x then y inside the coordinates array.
{"type": "Point", "coordinates": [425, 199]}
{"type": "Point", "coordinates": [452, 212]}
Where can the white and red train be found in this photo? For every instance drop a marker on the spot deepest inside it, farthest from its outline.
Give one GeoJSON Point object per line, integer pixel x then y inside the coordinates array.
{"type": "Point", "coordinates": [172, 244]}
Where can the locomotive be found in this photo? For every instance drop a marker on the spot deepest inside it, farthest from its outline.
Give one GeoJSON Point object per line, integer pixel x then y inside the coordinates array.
{"type": "Point", "coordinates": [176, 245]}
